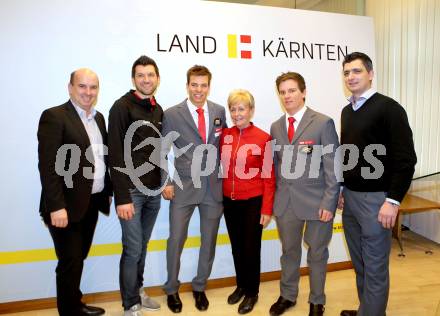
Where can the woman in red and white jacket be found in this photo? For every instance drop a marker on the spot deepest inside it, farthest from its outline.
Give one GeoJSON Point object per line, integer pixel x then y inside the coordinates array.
{"type": "Point", "coordinates": [248, 193]}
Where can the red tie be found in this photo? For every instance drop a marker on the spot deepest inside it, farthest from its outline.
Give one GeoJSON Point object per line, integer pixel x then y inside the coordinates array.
{"type": "Point", "coordinates": [291, 130]}
{"type": "Point", "coordinates": [201, 124]}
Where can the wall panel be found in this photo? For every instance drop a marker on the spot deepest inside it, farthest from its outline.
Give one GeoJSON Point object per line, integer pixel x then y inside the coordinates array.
{"type": "Point", "coordinates": [408, 69]}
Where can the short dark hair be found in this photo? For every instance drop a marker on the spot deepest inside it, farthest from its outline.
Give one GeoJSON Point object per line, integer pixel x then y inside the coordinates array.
{"type": "Point", "coordinates": [198, 70]}
{"type": "Point", "coordinates": [72, 77]}
{"type": "Point", "coordinates": [368, 64]}
{"type": "Point", "coordinates": [144, 61]}
{"type": "Point", "coordinates": [290, 75]}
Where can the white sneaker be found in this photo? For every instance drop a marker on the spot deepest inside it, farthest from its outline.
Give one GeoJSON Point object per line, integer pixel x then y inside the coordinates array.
{"type": "Point", "coordinates": [135, 310]}
{"type": "Point", "coordinates": [147, 302]}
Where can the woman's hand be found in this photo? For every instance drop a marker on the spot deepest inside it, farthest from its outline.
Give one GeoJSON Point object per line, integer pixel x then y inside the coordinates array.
{"type": "Point", "coordinates": [265, 220]}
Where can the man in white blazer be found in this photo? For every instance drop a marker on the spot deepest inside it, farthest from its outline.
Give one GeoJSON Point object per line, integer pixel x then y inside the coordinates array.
{"type": "Point", "coordinates": [306, 191]}
{"type": "Point", "coordinates": [198, 122]}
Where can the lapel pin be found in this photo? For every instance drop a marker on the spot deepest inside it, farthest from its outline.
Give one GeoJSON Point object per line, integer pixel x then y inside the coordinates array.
{"type": "Point", "coordinates": [217, 121]}
{"type": "Point", "coordinates": [306, 149]}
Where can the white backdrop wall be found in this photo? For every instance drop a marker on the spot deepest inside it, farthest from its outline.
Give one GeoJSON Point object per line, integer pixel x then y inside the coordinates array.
{"type": "Point", "coordinates": [408, 69]}
{"type": "Point", "coordinates": [42, 42]}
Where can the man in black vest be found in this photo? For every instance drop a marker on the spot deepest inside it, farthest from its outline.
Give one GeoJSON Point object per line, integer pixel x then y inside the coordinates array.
{"type": "Point", "coordinates": [377, 127]}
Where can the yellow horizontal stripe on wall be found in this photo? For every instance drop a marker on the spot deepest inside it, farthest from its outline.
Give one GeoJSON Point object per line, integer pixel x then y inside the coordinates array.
{"type": "Point", "coordinates": [36, 255]}
{"type": "Point", "coordinates": [26, 256]}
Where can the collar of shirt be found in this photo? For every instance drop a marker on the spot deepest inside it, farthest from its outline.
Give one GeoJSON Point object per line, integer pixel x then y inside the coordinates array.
{"type": "Point", "coordinates": [297, 116]}
{"type": "Point", "coordinates": [152, 99]}
{"type": "Point", "coordinates": [244, 130]}
{"type": "Point", "coordinates": [356, 105]}
{"type": "Point", "coordinates": [82, 113]}
{"type": "Point", "coordinates": [193, 110]}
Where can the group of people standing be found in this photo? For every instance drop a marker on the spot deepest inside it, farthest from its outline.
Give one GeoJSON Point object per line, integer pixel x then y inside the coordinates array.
{"type": "Point", "coordinates": [252, 177]}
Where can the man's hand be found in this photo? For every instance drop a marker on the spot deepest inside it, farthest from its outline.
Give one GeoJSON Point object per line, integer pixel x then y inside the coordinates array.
{"type": "Point", "coordinates": [59, 218]}
{"type": "Point", "coordinates": [387, 214]}
{"type": "Point", "coordinates": [265, 220]}
{"type": "Point", "coordinates": [324, 215]}
{"type": "Point", "coordinates": [125, 211]}
{"type": "Point", "coordinates": [168, 192]}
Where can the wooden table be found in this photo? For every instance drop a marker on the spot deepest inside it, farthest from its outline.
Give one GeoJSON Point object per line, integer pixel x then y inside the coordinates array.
{"type": "Point", "coordinates": [411, 204]}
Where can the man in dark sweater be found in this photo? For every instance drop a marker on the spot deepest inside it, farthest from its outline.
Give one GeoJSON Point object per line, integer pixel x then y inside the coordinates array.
{"type": "Point", "coordinates": [135, 119]}
{"type": "Point", "coordinates": [377, 127]}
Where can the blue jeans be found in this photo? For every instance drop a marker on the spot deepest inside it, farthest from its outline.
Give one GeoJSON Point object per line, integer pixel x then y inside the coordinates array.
{"type": "Point", "coordinates": [136, 234]}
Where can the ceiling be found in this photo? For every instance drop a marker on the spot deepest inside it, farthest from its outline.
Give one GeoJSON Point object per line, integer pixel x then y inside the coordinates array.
{"type": "Point", "coordinates": [296, 4]}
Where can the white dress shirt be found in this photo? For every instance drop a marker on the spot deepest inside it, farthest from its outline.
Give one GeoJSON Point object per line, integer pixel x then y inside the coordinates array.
{"type": "Point", "coordinates": [362, 99]}
{"type": "Point", "coordinates": [193, 110]}
{"type": "Point", "coordinates": [297, 116]}
{"type": "Point", "coordinates": [95, 138]}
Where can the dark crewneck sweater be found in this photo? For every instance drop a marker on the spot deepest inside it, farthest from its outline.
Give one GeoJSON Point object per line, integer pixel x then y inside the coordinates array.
{"type": "Point", "coordinates": [380, 120]}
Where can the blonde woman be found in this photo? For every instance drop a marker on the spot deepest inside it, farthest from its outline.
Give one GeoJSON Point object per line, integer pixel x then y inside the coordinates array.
{"type": "Point", "coordinates": [248, 192]}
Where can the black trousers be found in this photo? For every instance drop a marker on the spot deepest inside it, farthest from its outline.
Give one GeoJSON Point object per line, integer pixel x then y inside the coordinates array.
{"type": "Point", "coordinates": [243, 223]}
{"type": "Point", "coordinates": [72, 244]}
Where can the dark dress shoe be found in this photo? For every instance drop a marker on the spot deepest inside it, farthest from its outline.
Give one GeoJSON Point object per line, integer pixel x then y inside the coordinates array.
{"type": "Point", "coordinates": [236, 296]}
{"type": "Point", "coordinates": [348, 313]}
{"type": "Point", "coordinates": [174, 303]}
{"type": "Point", "coordinates": [248, 304]}
{"type": "Point", "coordinates": [202, 302]}
{"type": "Point", "coordinates": [316, 310]}
{"type": "Point", "coordinates": [280, 306]}
{"type": "Point", "coordinates": [91, 310]}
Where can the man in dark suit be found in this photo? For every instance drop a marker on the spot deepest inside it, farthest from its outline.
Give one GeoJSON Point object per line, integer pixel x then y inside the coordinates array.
{"type": "Point", "coordinates": [75, 184]}
{"type": "Point", "coordinates": [199, 123]}
{"type": "Point", "coordinates": [372, 123]}
{"type": "Point", "coordinates": [306, 192]}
